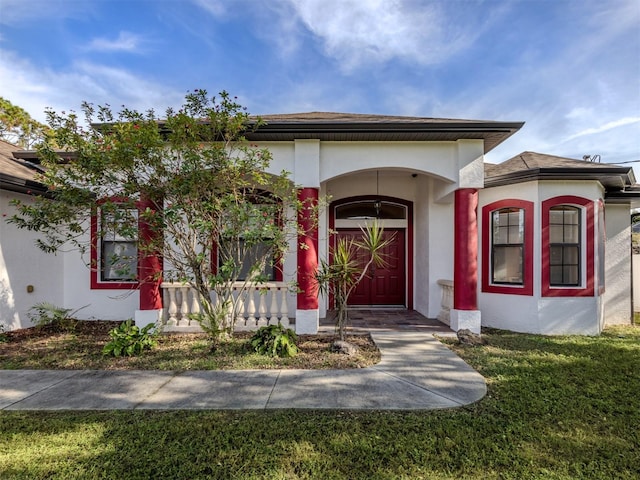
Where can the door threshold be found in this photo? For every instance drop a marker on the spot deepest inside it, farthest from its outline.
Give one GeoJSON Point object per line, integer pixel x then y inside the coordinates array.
{"type": "Point", "coordinates": [377, 307]}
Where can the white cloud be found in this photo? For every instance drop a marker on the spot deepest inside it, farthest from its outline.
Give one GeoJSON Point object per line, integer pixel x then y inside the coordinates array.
{"type": "Point", "coordinates": [215, 7]}
{"type": "Point", "coordinates": [36, 89]}
{"type": "Point", "coordinates": [126, 42]}
{"type": "Point", "coordinates": [357, 32]}
{"type": "Point", "coordinates": [604, 127]}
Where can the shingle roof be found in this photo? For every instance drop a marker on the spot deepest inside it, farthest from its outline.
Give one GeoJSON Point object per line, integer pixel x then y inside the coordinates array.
{"type": "Point", "coordinates": [357, 127]}
{"type": "Point", "coordinates": [337, 117]}
{"type": "Point", "coordinates": [332, 126]}
{"type": "Point", "coordinates": [538, 166]}
{"type": "Point", "coordinates": [8, 164]}
{"type": "Point", "coordinates": [16, 175]}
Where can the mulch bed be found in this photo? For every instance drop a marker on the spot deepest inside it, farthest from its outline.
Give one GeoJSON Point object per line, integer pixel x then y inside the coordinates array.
{"type": "Point", "coordinates": [52, 347]}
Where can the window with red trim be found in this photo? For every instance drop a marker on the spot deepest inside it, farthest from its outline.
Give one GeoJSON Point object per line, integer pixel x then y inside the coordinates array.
{"type": "Point", "coordinates": [564, 246]}
{"type": "Point", "coordinates": [507, 252]}
{"type": "Point", "coordinates": [114, 246]}
{"type": "Point", "coordinates": [567, 247]}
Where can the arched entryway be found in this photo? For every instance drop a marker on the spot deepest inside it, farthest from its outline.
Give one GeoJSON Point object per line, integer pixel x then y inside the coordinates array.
{"type": "Point", "coordinates": [392, 285]}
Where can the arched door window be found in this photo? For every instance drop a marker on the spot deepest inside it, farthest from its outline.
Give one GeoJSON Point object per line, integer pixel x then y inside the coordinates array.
{"type": "Point", "coordinates": [370, 209]}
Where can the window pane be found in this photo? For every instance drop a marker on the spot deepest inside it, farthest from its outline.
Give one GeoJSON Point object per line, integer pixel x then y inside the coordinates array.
{"type": "Point", "coordinates": [507, 264]}
{"type": "Point", "coordinates": [556, 255]}
{"type": "Point", "coordinates": [501, 235]}
{"type": "Point", "coordinates": [370, 209]}
{"type": "Point", "coordinates": [571, 216]}
{"type": "Point", "coordinates": [571, 255]}
{"type": "Point", "coordinates": [556, 216]}
{"type": "Point", "coordinates": [515, 217]}
{"type": "Point", "coordinates": [119, 260]}
{"type": "Point", "coordinates": [556, 234]}
{"type": "Point", "coordinates": [243, 259]}
{"type": "Point", "coordinates": [571, 234]}
{"type": "Point", "coordinates": [570, 275]}
{"type": "Point", "coordinates": [556, 275]}
{"type": "Point", "coordinates": [515, 234]}
{"type": "Point", "coordinates": [121, 225]}
{"type": "Point", "coordinates": [392, 211]}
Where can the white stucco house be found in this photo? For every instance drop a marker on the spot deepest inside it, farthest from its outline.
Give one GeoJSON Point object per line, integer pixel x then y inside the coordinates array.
{"type": "Point", "coordinates": [536, 244]}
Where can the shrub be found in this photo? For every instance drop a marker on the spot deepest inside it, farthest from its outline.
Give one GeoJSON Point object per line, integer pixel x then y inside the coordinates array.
{"type": "Point", "coordinates": [44, 313]}
{"type": "Point", "coordinates": [3, 336]}
{"type": "Point", "coordinates": [128, 339]}
{"type": "Point", "coordinates": [275, 341]}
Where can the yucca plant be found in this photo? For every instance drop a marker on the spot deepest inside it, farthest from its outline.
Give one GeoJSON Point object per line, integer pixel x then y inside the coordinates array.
{"type": "Point", "coordinates": [341, 276]}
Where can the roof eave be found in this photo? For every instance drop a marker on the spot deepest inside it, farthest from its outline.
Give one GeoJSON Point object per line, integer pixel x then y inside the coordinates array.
{"type": "Point", "coordinates": [21, 185]}
{"type": "Point", "coordinates": [616, 178]}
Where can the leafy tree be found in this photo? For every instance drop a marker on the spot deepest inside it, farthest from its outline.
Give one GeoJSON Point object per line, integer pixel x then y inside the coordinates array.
{"type": "Point", "coordinates": [345, 271]}
{"type": "Point", "coordinates": [17, 126]}
{"type": "Point", "coordinates": [193, 180]}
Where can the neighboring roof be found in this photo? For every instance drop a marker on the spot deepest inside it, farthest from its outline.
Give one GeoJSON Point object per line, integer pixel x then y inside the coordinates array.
{"type": "Point", "coordinates": [618, 181]}
{"type": "Point", "coordinates": [17, 175]}
{"type": "Point", "coordinates": [330, 126]}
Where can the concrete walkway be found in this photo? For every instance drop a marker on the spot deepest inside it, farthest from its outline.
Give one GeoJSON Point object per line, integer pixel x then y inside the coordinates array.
{"type": "Point", "coordinates": [416, 372]}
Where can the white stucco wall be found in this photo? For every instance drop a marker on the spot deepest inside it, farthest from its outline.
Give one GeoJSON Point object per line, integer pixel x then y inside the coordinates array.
{"type": "Point", "coordinates": [341, 158]}
{"type": "Point", "coordinates": [618, 294]}
{"type": "Point", "coordinates": [421, 287]}
{"type": "Point", "coordinates": [636, 282]}
{"type": "Point", "coordinates": [100, 304]}
{"type": "Point", "coordinates": [22, 264]}
{"type": "Point", "coordinates": [440, 246]}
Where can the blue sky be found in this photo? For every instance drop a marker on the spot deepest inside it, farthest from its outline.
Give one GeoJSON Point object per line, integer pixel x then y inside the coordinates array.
{"type": "Point", "coordinates": [570, 69]}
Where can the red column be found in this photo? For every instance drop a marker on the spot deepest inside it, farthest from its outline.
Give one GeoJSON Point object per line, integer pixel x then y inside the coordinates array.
{"type": "Point", "coordinates": [149, 263]}
{"type": "Point", "coordinates": [465, 274]}
{"type": "Point", "coordinates": [307, 255]}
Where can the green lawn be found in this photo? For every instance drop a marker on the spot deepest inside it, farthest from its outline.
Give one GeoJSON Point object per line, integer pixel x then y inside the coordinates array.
{"type": "Point", "coordinates": [557, 407]}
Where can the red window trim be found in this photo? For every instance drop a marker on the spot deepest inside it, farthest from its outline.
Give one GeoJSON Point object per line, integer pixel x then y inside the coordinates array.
{"type": "Point", "coordinates": [527, 286]}
{"type": "Point", "coordinates": [588, 206]}
{"type": "Point", "coordinates": [96, 283]}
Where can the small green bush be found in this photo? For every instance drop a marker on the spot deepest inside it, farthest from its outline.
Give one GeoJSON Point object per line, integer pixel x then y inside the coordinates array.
{"type": "Point", "coordinates": [3, 336]}
{"type": "Point", "coordinates": [45, 313]}
{"type": "Point", "coordinates": [275, 341]}
{"type": "Point", "coordinates": [128, 339]}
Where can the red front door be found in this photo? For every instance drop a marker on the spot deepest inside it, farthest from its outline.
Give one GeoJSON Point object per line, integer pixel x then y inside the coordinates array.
{"type": "Point", "coordinates": [382, 285]}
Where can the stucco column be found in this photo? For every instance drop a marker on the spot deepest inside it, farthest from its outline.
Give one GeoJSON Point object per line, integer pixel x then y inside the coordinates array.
{"type": "Point", "coordinates": [307, 316]}
{"type": "Point", "coordinates": [149, 269]}
{"type": "Point", "coordinates": [465, 313]}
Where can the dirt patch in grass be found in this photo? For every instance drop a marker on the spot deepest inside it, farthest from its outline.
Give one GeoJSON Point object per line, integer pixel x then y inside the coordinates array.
{"type": "Point", "coordinates": [49, 348]}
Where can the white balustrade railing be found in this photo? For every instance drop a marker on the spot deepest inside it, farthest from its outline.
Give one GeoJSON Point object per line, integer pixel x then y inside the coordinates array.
{"type": "Point", "coordinates": [446, 304]}
{"type": "Point", "coordinates": [260, 305]}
